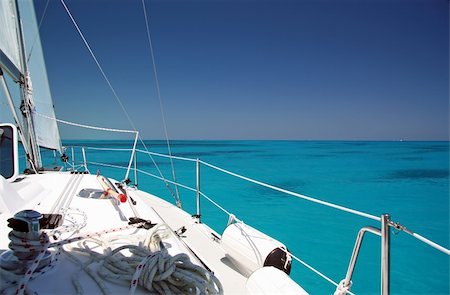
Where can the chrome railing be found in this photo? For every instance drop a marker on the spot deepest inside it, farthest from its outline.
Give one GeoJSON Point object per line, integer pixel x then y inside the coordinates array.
{"type": "Point", "coordinates": [341, 288]}
{"type": "Point", "coordinates": [384, 233]}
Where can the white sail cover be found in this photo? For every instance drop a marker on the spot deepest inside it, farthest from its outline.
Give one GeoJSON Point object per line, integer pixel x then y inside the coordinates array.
{"type": "Point", "coordinates": [45, 125]}
{"type": "Point", "coordinates": [9, 42]}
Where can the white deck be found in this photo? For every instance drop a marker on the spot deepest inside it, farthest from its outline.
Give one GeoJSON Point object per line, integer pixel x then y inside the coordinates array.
{"type": "Point", "coordinates": [53, 191]}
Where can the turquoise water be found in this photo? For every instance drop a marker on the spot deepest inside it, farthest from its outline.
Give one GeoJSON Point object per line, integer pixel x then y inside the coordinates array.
{"type": "Point", "coordinates": [409, 180]}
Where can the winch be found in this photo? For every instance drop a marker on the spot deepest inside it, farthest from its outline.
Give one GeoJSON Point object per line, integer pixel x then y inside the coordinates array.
{"type": "Point", "coordinates": [27, 240]}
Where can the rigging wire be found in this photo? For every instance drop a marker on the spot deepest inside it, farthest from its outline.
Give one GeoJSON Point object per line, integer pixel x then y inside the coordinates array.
{"type": "Point", "coordinates": [159, 98]}
{"type": "Point", "coordinates": [257, 182]}
{"type": "Point", "coordinates": [36, 38]}
{"type": "Point", "coordinates": [37, 31]}
{"type": "Point", "coordinates": [98, 64]}
{"type": "Point", "coordinates": [114, 92]}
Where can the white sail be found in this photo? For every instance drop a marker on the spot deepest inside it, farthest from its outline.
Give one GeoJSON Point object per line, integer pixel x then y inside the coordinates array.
{"type": "Point", "coordinates": [16, 18]}
{"type": "Point", "coordinates": [9, 39]}
{"type": "Point", "coordinates": [46, 128]}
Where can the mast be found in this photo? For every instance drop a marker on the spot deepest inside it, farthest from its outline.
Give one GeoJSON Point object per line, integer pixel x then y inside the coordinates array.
{"type": "Point", "coordinates": [27, 101]}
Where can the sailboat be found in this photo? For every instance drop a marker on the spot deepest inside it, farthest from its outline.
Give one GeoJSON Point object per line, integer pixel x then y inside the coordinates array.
{"type": "Point", "coordinates": [65, 229]}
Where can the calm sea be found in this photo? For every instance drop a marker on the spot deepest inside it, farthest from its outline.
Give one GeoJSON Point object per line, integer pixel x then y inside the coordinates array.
{"type": "Point", "coordinates": [409, 180]}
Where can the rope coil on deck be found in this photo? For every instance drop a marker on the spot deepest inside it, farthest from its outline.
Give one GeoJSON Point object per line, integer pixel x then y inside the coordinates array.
{"type": "Point", "coordinates": [149, 266]}
{"type": "Point", "coordinates": [33, 257]}
{"type": "Point", "coordinates": [158, 272]}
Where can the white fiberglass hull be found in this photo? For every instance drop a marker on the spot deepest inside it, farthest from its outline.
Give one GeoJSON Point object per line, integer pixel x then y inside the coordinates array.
{"type": "Point", "coordinates": [81, 198]}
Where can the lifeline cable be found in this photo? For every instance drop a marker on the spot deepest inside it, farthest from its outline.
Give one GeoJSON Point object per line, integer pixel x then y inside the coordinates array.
{"type": "Point", "coordinates": [113, 91]}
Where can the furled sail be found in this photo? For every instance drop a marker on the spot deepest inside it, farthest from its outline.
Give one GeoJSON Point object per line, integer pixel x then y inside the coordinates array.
{"type": "Point", "coordinates": [18, 17]}
{"type": "Point", "coordinates": [46, 128]}
{"type": "Point", "coordinates": [9, 39]}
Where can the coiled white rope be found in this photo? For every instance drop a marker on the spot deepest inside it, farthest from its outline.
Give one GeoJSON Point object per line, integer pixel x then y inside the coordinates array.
{"type": "Point", "coordinates": [30, 252]}
{"type": "Point", "coordinates": [158, 272]}
{"type": "Point", "coordinates": [33, 249]}
{"type": "Point", "coordinates": [149, 266]}
{"type": "Point", "coordinates": [44, 243]}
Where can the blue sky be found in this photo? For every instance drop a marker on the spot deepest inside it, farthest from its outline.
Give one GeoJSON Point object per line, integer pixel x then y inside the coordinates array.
{"type": "Point", "coordinates": [339, 70]}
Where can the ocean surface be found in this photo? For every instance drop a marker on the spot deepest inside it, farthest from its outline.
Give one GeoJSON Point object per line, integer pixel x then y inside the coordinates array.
{"type": "Point", "coordinates": [409, 180]}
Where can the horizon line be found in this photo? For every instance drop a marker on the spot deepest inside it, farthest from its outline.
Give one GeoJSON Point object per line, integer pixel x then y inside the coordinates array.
{"type": "Point", "coordinates": [269, 139]}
